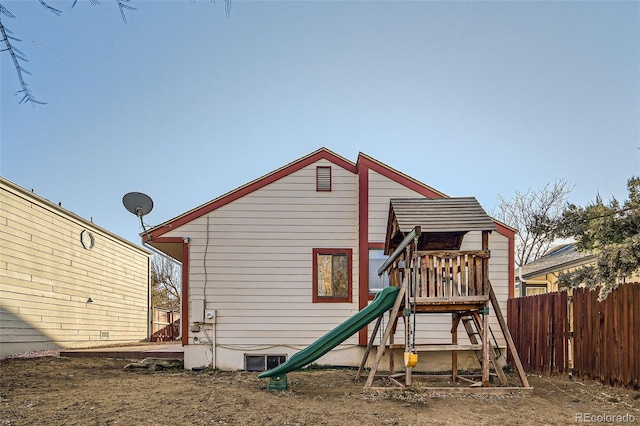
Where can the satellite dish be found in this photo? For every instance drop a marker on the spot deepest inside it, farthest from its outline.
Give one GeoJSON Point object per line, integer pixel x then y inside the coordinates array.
{"type": "Point", "coordinates": [139, 204]}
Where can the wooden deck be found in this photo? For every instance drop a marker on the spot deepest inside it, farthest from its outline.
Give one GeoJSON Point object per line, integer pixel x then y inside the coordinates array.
{"type": "Point", "coordinates": [171, 350]}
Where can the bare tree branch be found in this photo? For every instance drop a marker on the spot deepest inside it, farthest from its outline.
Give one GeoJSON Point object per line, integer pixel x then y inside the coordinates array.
{"type": "Point", "coordinates": [17, 56]}
{"type": "Point", "coordinates": [165, 282]}
{"type": "Point", "coordinates": [535, 215]}
{"type": "Point", "coordinates": [50, 8]}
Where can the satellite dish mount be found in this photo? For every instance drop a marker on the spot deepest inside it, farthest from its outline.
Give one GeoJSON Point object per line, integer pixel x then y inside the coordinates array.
{"type": "Point", "coordinates": [139, 204]}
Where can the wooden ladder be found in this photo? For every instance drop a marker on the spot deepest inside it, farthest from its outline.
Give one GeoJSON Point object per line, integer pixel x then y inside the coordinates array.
{"type": "Point", "coordinates": [473, 326]}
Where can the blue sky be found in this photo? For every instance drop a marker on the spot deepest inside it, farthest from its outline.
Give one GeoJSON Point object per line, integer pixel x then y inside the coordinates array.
{"type": "Point", "coordinates": [185, 104]}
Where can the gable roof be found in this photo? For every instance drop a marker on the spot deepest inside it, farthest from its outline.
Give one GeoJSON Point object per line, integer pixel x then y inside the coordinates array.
{"type": "Point", "coordinates": [560, 258]}
{"type": "Point", "coordinates": [254, 185]}
{"type": "Point", "coordinates": [399, 177]}
{"type": "Point", "coordinates": [320, 154]}
{"type": "Point", "coordinates": [419, 187]}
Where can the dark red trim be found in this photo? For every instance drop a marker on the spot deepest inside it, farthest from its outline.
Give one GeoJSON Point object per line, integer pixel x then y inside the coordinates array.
{"type": "Point", "coordinates": [363, 243]}
{"type": "Point", "coordinates": [164, 240]}
{"type": "Point", "coordinates": [414, 185]}
{"type": "Point", "coordinates": [512, 267]}
{"type": "Point", "coordinates": [504, 230]}
{"type": "Point", "coordinates": [511, 237]}
{"type": "Point", "coordinates": [317, 299]}
{"type": "Point", "coordinates": [321, 154]}
{"type": "Point", "coordinates": [398, 177]}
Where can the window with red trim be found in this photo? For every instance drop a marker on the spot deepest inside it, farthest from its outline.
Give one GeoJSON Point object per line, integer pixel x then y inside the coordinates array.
{"type": "Point", "coordinates": [332, 275]}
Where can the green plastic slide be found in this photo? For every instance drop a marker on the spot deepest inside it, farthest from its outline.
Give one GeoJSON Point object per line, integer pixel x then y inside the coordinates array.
{"type": "Point", "coordinates": [380, 304]}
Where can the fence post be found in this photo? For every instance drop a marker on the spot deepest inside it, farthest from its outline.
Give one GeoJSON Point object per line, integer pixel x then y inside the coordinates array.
{"type": "Point", "coordinates": [570, 327]}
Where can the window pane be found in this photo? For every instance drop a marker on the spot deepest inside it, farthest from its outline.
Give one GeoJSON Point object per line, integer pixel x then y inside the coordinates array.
{"type": "Point", "coordinates": [333, 280]}
{"type": "Point", "coordinates": [324, 275]}
{"type": "Point", "coordinates": [275, 360]}
{"type": "Point", "coordinates": [376, 259]}
{"type": "Point", "coordinates": [254, 363]}
{"type": "Point", "coordinates": [339, 275]}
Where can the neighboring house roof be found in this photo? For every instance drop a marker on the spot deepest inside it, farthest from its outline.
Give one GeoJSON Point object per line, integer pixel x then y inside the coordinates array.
{"type": "Point", "coordinates": [59, 210]}
{"type": "Point", "coordinates": [560, 258]}
{"type": "Point", "coordinates": [462, 214]}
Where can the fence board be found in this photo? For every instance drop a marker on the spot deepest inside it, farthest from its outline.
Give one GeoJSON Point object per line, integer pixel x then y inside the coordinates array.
{"type": "Point", "coordinates": [165, 325]}
{"type": "Point", "coordinates": [539, 326]}
{"type": "Point", "coordinates": [614, 332]}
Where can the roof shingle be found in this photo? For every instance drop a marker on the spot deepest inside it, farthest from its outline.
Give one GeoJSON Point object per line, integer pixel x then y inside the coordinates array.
{"type": "Point", "coordinates": [460, 214]}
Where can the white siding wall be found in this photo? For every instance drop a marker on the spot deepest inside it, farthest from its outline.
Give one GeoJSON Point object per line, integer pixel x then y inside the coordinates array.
{"type": "Point", "coordinates": [46, 277]}
{"type": "Point", "coordinates": [381, 190]}
{"type": "Point", "coordinates": [252, 261]}
{"type": "Point", "coordinates": [498, 274]}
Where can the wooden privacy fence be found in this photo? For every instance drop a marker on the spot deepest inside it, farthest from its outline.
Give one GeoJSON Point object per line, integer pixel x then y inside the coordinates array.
{"type": "Point", "coordinates": [165, 325]}
{"type": "Point", "coordinates": [573, 333]}
{"type": "Point", "coordinates": [607, 335]}
{"type": "Point", "coordinates": [539, 326]}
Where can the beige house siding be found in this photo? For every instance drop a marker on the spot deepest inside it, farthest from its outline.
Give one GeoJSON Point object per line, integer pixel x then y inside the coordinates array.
{"type": "Point", "coordinates": [47, 276]}
{"type": "Point", "coordinates": [498, 274]}
{"type": "Point", "coordinates": [251, 260]}
{"type": "Point", "coordinates": [381, 190]}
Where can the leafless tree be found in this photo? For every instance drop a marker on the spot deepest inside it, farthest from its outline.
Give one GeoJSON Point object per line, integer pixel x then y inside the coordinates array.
{"type": "Point", "coordinates": [165, 282]}
{"type": "Point", "coordinates": [535, 215]}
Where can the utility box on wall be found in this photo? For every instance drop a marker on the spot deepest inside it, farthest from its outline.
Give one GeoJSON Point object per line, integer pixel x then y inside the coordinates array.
{"type": "Point", "coordinates": [197, 310]}
{"type": "Point", "coordinates": [210, 316]}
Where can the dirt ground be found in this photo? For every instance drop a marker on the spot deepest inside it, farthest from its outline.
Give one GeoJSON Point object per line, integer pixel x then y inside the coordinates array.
{"type": "Point", "coordinates": [97, 391]}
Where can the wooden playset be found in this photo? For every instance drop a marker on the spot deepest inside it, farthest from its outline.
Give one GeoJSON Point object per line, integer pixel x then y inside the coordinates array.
{"type": "Point", "coordinates": [423, 241]}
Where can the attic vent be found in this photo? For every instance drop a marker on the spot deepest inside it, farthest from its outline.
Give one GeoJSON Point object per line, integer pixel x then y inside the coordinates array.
{"type": "Point", "coordinates": [323, 178]}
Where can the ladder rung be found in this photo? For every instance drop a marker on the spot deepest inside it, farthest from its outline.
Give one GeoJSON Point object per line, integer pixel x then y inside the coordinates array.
{"type": "Point", "coordinates": [441, 347]}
